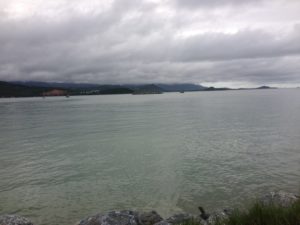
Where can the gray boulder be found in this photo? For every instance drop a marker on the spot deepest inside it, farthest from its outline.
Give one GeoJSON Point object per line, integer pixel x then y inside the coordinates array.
{"type": "Point", "coordinates": [125, 217]}
{"type": "Point", "coordinates": [149, 218]}
{"type": "Point", "coordinates": [219, 215]}
{"type": "Point", "coordinates": [177, 219]}
{"type": "Point", "coordinates": [120, 218]}
{"type": "Point", "coordinates": [180, 218]}
{"type": "Point", "coordinates": [279, 198]}
{"type": "Point", "coordinates": [14, 220]}
{"type": "Point", "coordinates": [92, 220]}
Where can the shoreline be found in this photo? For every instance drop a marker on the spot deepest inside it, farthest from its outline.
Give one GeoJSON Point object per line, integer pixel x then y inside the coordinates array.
{"type": "Point", "coordinates": [130, 217]}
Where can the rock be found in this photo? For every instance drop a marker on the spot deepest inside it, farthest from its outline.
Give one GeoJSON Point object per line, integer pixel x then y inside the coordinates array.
{"type": "Point", "coordinates": [14, 220]}
{"type": "Point", "coordinates": [163, 222]}
{"type": "Point", "coordinates": [120, 218]}
{"type": "Point", "coordinates": [125, 217]}
{"type": "Point", "coordinates": [93, 220]}
{"type": "Point", "coordinates": [180, 218]}
{"type": "Point", "coordinates": [279, 198]}
{"type": "Point", "coordinates": [149, 218]}
{"type": "Point", "coordinates": [228, 211]}
{"type": "Point", "coordinates": [219, 215]}
{"type": "Point", "coordinates": [203, 215]}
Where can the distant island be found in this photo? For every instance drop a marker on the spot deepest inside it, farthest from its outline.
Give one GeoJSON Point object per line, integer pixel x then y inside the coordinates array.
{"type": "Point", "coordinates": [261, 87]}
{"type": "Point", "coordinates": [46, 89]}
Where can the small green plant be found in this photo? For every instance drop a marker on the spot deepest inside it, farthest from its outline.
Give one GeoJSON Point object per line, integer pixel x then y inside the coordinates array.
{"type": "Point", "coordinates": [259, 214]}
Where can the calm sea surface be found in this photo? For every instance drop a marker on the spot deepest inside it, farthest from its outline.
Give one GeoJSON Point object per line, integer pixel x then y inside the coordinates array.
{"type": "Point", "coordinates": [62, 159]}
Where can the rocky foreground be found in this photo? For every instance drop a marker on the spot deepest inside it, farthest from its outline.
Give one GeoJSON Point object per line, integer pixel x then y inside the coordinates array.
{"type": "Point", "coordinates": [128, 217]}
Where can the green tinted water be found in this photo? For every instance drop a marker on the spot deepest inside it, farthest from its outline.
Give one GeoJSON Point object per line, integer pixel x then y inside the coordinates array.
{"type": "Point", "coordinates": [62, 159]}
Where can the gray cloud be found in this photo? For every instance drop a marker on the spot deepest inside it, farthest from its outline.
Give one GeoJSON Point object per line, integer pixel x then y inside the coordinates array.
{"type": "Point", "coordinates": [149, 41]}
{"type": "Point", "coordinates": [244, 44]}
{"type": "Point", "coordinates": [214, 3]}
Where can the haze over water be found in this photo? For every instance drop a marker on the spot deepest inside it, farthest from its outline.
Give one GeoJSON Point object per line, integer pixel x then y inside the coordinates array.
{"type": "Point", "coordinates": [66, 158]}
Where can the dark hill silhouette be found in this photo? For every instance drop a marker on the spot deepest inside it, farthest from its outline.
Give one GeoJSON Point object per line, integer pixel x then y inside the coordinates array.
{"type": "Point", "coordinates": [149, 89]}
{"type": "Point", "coordinates": [14, 90]}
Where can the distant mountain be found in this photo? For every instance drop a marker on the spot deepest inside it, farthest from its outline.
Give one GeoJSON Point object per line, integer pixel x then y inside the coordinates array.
{"type": "Point", "coordinates": [149, 89]}
{"type": "Point", "coordinates": [78, 88]}
{"type": "Point", "coordinates": [56, 85]}
{"type": "Point", "coordinates": [116, 90]}
{"type": "Point", "coordinates": [181, 87]}
{"type": "Point", "coordinates": [216, 89]}
{"type": "Point", "coordinates": [15, 90]}
{"type": "Point", "coordinates": [258, 88]}
{"type": "Point", "coordinates": [265, 87]}
{"type": "Point", "coordinates": [169, 87]}
{"type": "Point", "coordinates": [164, 87]}
{"type": "Point", "coordinates": [34, 88]}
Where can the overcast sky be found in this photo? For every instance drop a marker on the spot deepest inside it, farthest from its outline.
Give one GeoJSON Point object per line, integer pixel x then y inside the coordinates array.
{"type": "Point", "coordinates": [234, 43]}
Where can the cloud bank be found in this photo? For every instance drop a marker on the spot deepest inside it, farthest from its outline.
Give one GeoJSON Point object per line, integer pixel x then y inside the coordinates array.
{"type": "Point", "coordinates": [227, 42]}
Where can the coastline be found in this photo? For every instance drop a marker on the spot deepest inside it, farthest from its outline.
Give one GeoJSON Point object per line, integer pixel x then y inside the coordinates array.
{"type": "Point", "coordinates": [279, 199]}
